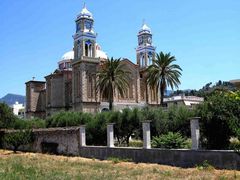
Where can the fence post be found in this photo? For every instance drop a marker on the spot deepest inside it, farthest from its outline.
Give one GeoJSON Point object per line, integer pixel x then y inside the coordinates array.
{"type": "Point", "coordinates": [146, 135]}
{"type": "Point", "coordinates": [82, 136]}
{"type": "Point", "coordinates": [110, 135]}
{"type": "Point", "coordinates": [195, 132]}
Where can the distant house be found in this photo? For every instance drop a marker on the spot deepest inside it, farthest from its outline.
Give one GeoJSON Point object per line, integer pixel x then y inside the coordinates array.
{"type": "Point", "coordinates": [236, 82]}
{"type": "Point", "coordinates": [182, 100]}
{"type": "Point", "coordinates": [18, 109]}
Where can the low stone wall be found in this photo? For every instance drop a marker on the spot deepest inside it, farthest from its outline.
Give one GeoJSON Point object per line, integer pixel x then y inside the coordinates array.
{"type": "Point", "coordinates": [71, 141]}
{"type": "Point", "coordinates": [181, 158]}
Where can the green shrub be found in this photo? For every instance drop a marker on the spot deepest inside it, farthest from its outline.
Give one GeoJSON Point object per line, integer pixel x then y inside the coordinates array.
{"type": "Point", "coordinates": [127, 124]}
{"type": "Point", "coordinates": [159, 120]}
{"type": "Point", "coordinates": [68, 118]}
{"type": "Point", "coordinates": [136, 143]}
{"type": "Point", "coordinates": [29, 123]}
{"type": "Point", "coordinates": [205, 165]}
{"type": "Point", "coordinates": [175, 119]}
{"type": "Point", "coordinates": [220, 119]}
{"type": "Point", "coordinates": [169, 141]}
{"type": "Point", "coordinates": [96, 129]}
{"type": "Point", "coordinates": [18, 138]}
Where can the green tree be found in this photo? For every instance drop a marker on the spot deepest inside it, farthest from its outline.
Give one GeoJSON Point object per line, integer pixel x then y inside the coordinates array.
{"type": "Point", "coordinates": [111, 77]}
{"type": "Point", "coordinates": [163, 73]}
{"type": "Point", "coordinates": [127, 124]}
{"type": "Point", "coordinates": [18, 138]}
{"type": "Point", "coordinates": [7, 117]}
{"type": "Point", "coordinates": [220, 119]}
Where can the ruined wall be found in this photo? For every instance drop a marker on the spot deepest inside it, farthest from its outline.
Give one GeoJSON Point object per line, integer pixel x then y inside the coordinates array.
{"type": "Point", "coordinates": [67, 140]}
{"type": "Point", "coordinates": [52, 140]}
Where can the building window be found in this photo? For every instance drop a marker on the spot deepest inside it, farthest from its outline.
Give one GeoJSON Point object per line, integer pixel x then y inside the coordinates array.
{"type": "Point", "coordinates": [143, 63]}
{"type": "Point", "coordinates": [86, 50]}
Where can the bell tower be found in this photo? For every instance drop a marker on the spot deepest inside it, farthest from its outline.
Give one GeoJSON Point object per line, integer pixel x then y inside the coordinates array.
{"type": "Point", "coordinates": [145, 50]}
{"type": "Point", "coordinates": [85, 64]}
{"type": "Point", "coordinates": [85, 37]}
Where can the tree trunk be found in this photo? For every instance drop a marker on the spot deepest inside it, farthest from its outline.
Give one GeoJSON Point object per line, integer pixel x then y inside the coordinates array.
{"type": "Point", "coordinates": [162, 95]}
{"type": "Point", "coordinates": [110, 98]}
{"type": "Point", "coordinates": [110, 104]}
{"type": "Point", "coordinates": [15, 149]}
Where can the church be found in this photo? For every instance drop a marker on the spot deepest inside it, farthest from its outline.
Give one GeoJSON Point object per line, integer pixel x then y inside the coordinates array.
{"type": "Point", "coordinates": [72, 86]}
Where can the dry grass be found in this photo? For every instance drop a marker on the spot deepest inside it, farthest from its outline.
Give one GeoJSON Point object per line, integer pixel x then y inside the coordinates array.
{"type": "Point", "coordinates": [42, 166]}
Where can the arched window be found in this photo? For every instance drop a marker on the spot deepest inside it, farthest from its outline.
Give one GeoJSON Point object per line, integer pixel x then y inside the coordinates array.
{"type": "Point", "coordinates": [149, 60]}
{"type": "Point", "coordinates": [143, 59]}
{"type": "Point", "coordinates": [79, 51]}
{"type": "Point", "coordinates": [90, 50]}
{"type": "Point", "coordinates": [86, 49]}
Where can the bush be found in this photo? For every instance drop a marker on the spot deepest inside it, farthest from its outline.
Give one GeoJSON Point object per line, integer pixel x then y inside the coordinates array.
{"type": "Point", "coordinates": [29, 123]}
{"type": "Point", "coordinates": [126, 124]}
{"type": "Point", "coordinates": [136, 143]}
{"type": "Point", "coordinates": [159, 120]}
{"type": "Point", "coordinates": [169, 141]}
{"type": "Point", "coordinates": [205, 165]}
{"type": "Point", "coordinates": [96, 129]}
{"type": "Point", "coordinates": [179, 119]}
{"type": "Point", "coordinates": [68, 118]}
{"type": "Point", "coordinates": [18, 138]}
{"type": "Point", "coordinates": [220, 119]}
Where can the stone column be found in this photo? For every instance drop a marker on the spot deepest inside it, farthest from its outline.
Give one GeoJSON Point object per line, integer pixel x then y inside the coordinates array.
{"type": "Point", "coordinates": [146, 135]}
{"type": "Point", "coordinates": [195, 132]}
{"type": "Point", "coordinates": [110, 135]}
{"type": "Point", "coordinates": [82, 136]}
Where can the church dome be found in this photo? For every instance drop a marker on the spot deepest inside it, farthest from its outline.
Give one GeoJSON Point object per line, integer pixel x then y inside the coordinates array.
{"type": "Point", "coordinates": [85, 13]}
{"type": "Point", "coordinates": [65, 61]}
{"type": "Point", "coordinates": [68, 56]}
{"type": "Point", "coordinates": [99, 53]}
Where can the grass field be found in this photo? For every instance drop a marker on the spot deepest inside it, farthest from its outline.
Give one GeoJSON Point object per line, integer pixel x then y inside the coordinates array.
{"type": "Point", "coordinates": [42, 166]}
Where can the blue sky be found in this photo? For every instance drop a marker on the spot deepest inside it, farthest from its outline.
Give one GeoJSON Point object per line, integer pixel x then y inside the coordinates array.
{"type": "Point", "coordinates": [203, 35]}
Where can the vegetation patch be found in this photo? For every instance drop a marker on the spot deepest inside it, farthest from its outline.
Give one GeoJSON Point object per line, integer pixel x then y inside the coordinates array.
{"type": "Point", "coordinates": [169, 141]}
{"type": "Point", "coordinates": [43, 166]}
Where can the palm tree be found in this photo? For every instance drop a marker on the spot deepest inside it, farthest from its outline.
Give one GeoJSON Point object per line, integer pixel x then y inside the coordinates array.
{"type": "Point", "coordinates": [111, 77]}
{"type": "Point", "coordinates": [163, 73]}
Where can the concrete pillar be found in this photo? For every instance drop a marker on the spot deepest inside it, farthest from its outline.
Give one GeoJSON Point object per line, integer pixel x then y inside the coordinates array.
{"type": "Point", "coordinates": [146, 135]}
{"type": "Point", "coordinates": [110, 135]}
{"type": "Point", "coordinates": [82, 136]}
{"type": "Point", "coordinates": [195, 132]}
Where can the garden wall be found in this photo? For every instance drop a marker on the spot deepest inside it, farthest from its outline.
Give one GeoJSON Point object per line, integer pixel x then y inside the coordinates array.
{"type": "Point", "coordinates": [181, 158]}
{"type": "Point", "coordinates": [67, 141]}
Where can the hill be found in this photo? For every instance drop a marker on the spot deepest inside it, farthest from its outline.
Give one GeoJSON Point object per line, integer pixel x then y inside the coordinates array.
{"type": "Point", "coordinates": [10, 99]}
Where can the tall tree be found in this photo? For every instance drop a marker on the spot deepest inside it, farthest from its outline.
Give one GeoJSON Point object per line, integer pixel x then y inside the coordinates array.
{"type": "Point", "coordinates": [7, 117]}
{"type": "Point", "coordinates": [162, 73]}
{"type": "Point", "coordinates": [111, 77]}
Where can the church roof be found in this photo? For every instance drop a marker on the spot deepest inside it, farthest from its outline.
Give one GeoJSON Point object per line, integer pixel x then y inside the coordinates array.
{"type": "Point", "coordinates": [145, 29]}
{"type": "Point", "coordinates": [85, 13]}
